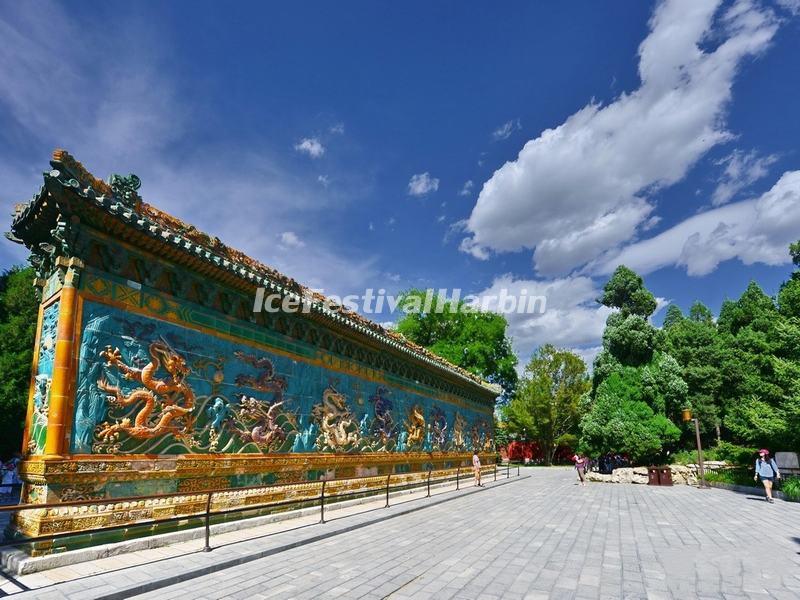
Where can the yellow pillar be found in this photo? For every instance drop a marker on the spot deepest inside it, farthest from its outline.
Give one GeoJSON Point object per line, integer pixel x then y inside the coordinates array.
{"type": "Point", "coordinates": [60, 386]}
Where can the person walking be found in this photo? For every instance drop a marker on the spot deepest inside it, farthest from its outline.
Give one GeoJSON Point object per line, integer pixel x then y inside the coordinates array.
{"type": "Point", "coordinates": [767, 470]}
{"type": "Point", "coordinates": [580, 467]}
{"type": "Point", "coordinates": [476, 468]}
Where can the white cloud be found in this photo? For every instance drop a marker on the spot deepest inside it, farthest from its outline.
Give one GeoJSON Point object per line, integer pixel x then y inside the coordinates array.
{"type": "Point", "coordinates": [583, 187]}
{"type": "Point", "coordinates": [290, 240]}
{"type": "Point", "coordinates": [506, 129]}
{"type": "Point", "coordinates": [466, 190]}
{"type": "Point", "coordinates": [422, 184]}
{"type": "Point", "coordinates": [337, 129]}
{"type": "Point", "coordinates": [324, 180]}
{"type": "Point", "coordinates": [111, 98]}
{"type": "Point", "coordinates": [741, 169]}
{"type": "Point", "coordinates": [754, 231]}
{"type": "Point", "coordinates": [572, 318]}
{"type": "Point", "coordinates": [470, 246]}
{"type": "Point", "coordinates": [440, 219]}
{"type": "Point", "coordinates": [311, 146]}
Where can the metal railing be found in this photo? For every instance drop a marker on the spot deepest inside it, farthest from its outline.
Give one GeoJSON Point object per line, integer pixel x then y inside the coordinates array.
{"type": "Point", "coordinates": [204, 503]}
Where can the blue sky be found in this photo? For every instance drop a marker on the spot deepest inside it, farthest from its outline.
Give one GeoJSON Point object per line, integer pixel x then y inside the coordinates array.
{"type": "Point", "coordinates": [335, 140]}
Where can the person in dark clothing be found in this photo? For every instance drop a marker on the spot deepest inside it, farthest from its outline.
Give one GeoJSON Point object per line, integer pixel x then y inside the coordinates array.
{"type": "Point", "coordinates": [767, 470]}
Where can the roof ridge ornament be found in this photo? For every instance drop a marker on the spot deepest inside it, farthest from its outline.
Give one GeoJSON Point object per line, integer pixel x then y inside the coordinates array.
{"type": "Point", "coordinates": [124, 188]}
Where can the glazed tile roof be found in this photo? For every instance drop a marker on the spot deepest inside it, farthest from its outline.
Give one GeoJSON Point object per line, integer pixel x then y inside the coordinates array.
{"type": "Point", "coordinates": [149, 219]}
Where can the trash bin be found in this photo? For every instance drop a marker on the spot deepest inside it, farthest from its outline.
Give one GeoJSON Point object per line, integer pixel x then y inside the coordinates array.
{"type": "Point", "coordinates": [665, 476]}
{"type": "Point", "coordinates": [652, 476]}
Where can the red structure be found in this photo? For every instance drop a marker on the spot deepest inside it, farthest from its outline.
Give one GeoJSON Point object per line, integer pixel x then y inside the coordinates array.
{"type": "Point", "coordinates": [532, 452]}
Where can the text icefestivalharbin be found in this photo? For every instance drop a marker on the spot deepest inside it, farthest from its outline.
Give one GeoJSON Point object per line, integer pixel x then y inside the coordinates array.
{"type": "Point", "coordinates": [372, 302]}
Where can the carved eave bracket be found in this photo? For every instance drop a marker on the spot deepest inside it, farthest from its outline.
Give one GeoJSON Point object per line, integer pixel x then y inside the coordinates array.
{"type": "Point", "coordinates": [125, 190]}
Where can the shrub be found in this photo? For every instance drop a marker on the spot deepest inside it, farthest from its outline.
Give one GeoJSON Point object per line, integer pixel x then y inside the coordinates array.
{"type": "Point", "coordinates": [731, 476]}
{"type": "Point", "coordinates": [791, 487]}
{"type": "Point", "coordinates": [741, 456]}
{"type": "Point", "coordinates": [737, 455]}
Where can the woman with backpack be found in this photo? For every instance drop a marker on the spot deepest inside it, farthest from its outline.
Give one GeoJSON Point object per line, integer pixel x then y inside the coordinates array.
{"type": "Point", "coordinates": [767, 470]}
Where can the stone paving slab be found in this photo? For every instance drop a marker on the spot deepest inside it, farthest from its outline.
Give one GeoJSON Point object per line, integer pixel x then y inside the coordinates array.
{"type": "Point", "coordinates": [155, 567]}
{"type": "Point", "coordinates": [537, 537]}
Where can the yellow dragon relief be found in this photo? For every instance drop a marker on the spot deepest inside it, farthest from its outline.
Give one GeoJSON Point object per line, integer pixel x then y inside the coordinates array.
{"type": "Point", "coordinates": [334, 420]}
{"type": "Point", "coordinates": [415, 426]}
{"type": "Point", "coordinates": [167, 392]}
{"type": "Point", "coordinates": [458, 432]}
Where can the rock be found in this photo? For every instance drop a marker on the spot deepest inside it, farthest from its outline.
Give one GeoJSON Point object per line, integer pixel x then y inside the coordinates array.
{"type": "Point", "coordinates": [598, 477]}
{"type": "Point", "coordinates": [629, 475]}
{"type": "Point", "coordinates": [683, 474]}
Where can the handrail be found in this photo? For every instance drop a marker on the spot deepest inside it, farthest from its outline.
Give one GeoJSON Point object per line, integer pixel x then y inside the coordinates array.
{"type": "Point", "coordinates": [207, 513]}
{"type": "Point", "coordinates": [11, 507]}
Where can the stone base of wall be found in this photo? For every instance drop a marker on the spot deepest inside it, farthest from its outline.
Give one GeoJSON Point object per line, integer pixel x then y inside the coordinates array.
{"type": "Point", "coordinates": [117, 482]}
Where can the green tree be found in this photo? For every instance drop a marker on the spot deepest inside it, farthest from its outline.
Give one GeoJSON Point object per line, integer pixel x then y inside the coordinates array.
{"type": "Point", "coordinates": [673, 316]}
{"type": "Point", "coordinates": [630, 339]}
{"type": "Point", "coordinates": [474, 340]}
{"type": "Point", "coordinates": [794, 252]}
{"type": "Point", "coordinates": [620, 421]}
{"type": "Point", "coordinates": [546, 404]}
{"type": "Point", "coordinates": [696, 346]}
{"type": "Point", "coordinates": [789, 297]}
{"type": "Point", "coordinates": [18, 315]}
{"type": "Point", "coordinates": [625, 291]}
{"type": "Point", "coordinates": [701, 313]}
{"type": "Point", "coordinates": [789, 294]}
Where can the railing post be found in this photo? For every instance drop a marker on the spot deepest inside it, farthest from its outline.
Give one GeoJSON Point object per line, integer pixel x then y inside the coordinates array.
{"type": "Point", "coordinates": [517, 469]}
{"type": "Point", "coordinates": [508, 469]}
{"type": "Point", "coordinates": [322, 503]}
{"type": "Point", "coordinates": [429, 483]}
{"type": "Point", "coordinates": [388, 477]}
{"type": "Point", "coordinates": [458, 474]}
{"type": "Point", "coordinates": [207, 547]}
{"type": "Point", "coordinates": [495, 471]}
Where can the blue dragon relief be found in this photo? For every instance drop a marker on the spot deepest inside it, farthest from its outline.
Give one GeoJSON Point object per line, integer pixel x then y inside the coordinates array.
{"type": "Point", "coordinates": [43, 378]}
{"type": "Point", "coordinates": [90, 401]}
{"type": "Point", "coordinates": [383, 424]}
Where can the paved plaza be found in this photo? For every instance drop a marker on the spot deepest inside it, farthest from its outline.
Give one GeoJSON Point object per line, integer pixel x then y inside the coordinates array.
{"type": "Point", "coordinates": [539, 536]}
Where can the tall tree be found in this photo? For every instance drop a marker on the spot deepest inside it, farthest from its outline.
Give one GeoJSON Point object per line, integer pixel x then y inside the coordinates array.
{"type": "Point", "coordinates": [694, 343]}
{"type": "Point", "coordinates": [18, 313]}
{"type": "Point", "coordinates": [673, 316]}
{"type": "Point", "coordinates": [626, 291]}
{"type": "Point", "coordinates": [701, 313]}
{"type": "Point", "coordinates": [474, 340]}
{"type": "Point", "coordinates": [636, 386]}
{"type": "Point", "coordinates": [621, 421]}
{"type": "Point", "coordinates": [546, 404]}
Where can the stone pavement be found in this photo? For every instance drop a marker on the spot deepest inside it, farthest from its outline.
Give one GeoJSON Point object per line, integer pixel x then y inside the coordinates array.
{"type": "Point", "coordinates": [536, 537]}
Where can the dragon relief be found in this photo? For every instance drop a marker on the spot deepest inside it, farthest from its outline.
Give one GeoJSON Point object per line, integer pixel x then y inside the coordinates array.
{"type": "Point", "coordinates": [439, 429]}
{"type": "Point", "coordinates": [159, 396]}
{"type": "Point", "coordinates": [267, 431]}
{"type": "Point", "coordinates": [266, 380]}
{"type": "Point", "coordinates": [415, 427]}
{"type": "Point", "coordinates": [338, 429]}
{"type": "Point", "coordinates": [383, 424]}
{"type": "Point", "coordinates": [458, 432]}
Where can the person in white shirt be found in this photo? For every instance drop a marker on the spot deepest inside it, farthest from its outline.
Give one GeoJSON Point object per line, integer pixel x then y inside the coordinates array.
{"type": "Point", "coordinates": [476, 467]}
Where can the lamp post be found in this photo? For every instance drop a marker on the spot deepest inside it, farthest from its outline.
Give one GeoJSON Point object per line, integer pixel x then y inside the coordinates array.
{"type": "Point", "coordinates": [687, 416]}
